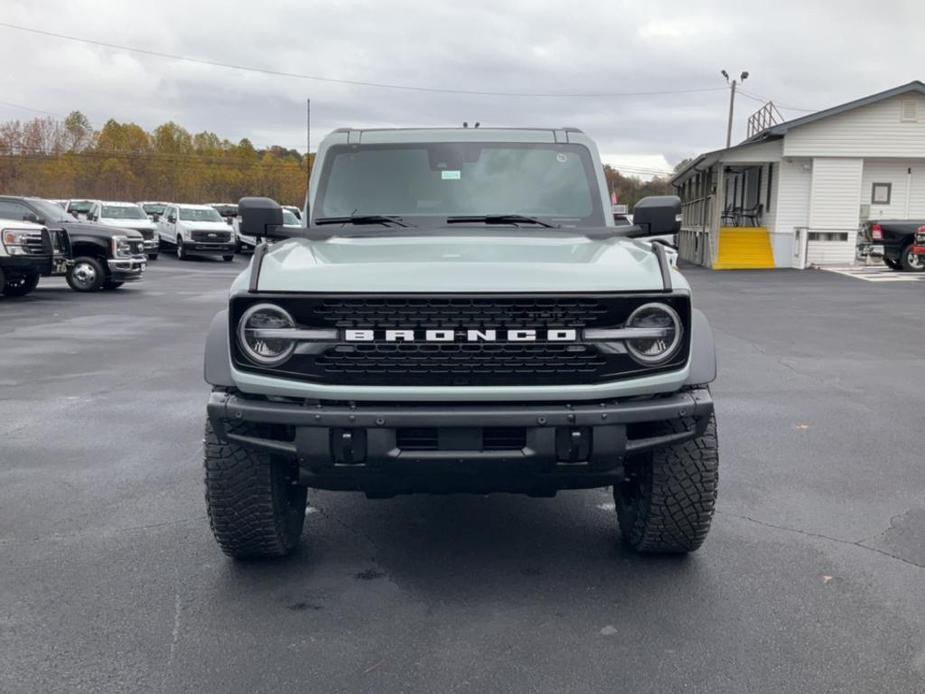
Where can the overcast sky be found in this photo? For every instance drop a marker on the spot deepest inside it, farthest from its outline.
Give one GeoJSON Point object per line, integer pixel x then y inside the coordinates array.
{"type": "Point", "coordinates": [808, 54]}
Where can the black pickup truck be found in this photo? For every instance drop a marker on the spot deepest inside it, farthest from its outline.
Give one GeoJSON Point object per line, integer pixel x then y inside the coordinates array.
{"type": "Point", "coordinates": [101, 257]}
{"type": "Point", "coordinates": [893, 240]}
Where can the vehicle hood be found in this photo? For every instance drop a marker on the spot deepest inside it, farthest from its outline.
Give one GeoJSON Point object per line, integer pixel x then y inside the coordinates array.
{"type": "Point", "coordinates": [466, 260]}
{"type": "Point", "coordinates": [20, 224]}
{"type": "Point", "coordinates": [130, 223]}
{"type": "Point", "coordinates": [103, 231]}
{"type": "Point", "coordinates": [207, 226]}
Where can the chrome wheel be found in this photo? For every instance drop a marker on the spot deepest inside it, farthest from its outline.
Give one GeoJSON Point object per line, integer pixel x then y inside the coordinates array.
{"type": "Point", "coordinates": [84, 275]}
{"type": "Point", "coordinates": [914, 262]}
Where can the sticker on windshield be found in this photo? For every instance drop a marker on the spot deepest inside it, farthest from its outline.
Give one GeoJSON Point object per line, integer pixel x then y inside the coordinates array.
{"type": "Point", "coordinates": [451, 175]}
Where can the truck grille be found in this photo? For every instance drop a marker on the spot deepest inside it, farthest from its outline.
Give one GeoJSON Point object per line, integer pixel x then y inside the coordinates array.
{"type": "Point", "coordinates": [459, 363]}
{"type": "Point", "coordinates": [394, 362]}
{"type": "Point", "coordinates": [35, 243]}
{"type": "Point", "coordinates": [473, 312]}
{"type": "Point", "coordinates": [211, 236]}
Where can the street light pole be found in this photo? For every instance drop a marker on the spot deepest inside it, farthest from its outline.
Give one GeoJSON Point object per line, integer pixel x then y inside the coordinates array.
{"type": "Point", "coordinates": [732, 99]}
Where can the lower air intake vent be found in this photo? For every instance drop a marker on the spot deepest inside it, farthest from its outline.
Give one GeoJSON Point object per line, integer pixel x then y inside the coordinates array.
{"type": "Point", "coordinates": [416, 439]}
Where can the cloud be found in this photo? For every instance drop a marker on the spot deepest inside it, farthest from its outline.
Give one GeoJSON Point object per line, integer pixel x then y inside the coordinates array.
{"type": "Point", "coordinates": [800, 53]}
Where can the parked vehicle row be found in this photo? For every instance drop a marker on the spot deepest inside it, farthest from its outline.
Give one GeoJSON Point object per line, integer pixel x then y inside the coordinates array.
{"type": "Point", "coordinates": [39, 238]}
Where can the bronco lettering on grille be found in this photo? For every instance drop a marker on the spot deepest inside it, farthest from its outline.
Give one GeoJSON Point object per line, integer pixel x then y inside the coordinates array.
{"type": "Point", "coordinates": [466, 335]}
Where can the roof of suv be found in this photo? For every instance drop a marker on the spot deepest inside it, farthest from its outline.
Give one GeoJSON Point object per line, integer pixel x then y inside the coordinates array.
{"type": "Point", "coordinates": [387, 135]}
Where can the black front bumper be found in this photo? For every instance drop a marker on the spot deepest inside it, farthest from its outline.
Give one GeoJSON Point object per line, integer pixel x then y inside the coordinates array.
{"type": "Point", "coordinates": [25, 264]}
{"type": "Point", "coordinates": [360, 447]}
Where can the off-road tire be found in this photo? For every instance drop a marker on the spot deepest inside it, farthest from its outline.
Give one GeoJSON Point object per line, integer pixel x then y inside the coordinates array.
{"type": "Point", "coordinates": [19, 285]}
{"type": "Point", "coordinates": [667, 502]}
{"type": "Point", "coordinates": [892, 264]}
{"type": "Point", "coordinates": [112, 284]}
{"type": "Point", "coordinates": [152, 256]}
{"type": "Point", "coordinates": [181, 254]}
{"type": "Point", "coordinates": [910, 262]}
{"type": "Point", "coordinates": [255, 508]}
{"type": "Point", "coordinates": [228, 258]}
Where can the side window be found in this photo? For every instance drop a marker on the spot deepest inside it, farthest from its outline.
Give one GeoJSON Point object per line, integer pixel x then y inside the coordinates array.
{"type": "Point", "coordinates": [13, 210]}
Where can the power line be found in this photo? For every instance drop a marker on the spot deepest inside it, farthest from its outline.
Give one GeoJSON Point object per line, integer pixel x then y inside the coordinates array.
{"type": "Point", "coordinates": [764, 99]}
{"type": "Point", "coordinates": [356, 83]}
{"type": "Point", "coordinates": [30, 108]}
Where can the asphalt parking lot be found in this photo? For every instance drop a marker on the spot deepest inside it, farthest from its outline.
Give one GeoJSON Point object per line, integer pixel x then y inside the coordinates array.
{"type": "Point", "coordinates": [812, 580]}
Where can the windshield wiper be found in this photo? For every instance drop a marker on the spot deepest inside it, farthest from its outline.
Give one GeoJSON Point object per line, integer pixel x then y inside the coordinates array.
{"type": "Point", "coordinates": [499, 219]}
{"type": "Point", "coordinates": [364, 219]}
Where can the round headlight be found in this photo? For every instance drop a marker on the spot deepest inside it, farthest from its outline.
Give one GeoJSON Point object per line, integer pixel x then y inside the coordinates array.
{"type": "Point", "coordinates": [262, 350]}
{"type": "Point", "coordinates": [655, 350]}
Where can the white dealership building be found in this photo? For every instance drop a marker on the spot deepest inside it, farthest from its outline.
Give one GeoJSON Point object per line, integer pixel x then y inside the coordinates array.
{"type": "Point", "coordinates": [794, 193]}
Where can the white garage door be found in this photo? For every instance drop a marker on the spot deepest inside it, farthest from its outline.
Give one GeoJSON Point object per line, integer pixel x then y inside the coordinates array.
{"type": "Point", "coordinates": [834, 210]}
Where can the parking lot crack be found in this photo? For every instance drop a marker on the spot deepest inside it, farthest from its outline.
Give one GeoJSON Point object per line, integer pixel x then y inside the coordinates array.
{"type": "Point", "coordinates": [7, 541]}
{"type": "Point", "coordinates": [820, 536]}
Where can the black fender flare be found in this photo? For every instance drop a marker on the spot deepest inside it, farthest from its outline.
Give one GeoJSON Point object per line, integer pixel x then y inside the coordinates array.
{"type": "Point", "coordinates": [217, 366]}
{"type": "Point", "coordinates": [703, 351]}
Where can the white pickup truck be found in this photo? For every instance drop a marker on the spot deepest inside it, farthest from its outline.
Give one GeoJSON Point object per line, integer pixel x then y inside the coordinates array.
{"type": "Point", "coordinates": [196, 230]}
{"type": "Point", "coordinates": [126, 215]}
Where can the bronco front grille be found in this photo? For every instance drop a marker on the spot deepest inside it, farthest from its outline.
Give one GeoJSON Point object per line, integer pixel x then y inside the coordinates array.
{"type": "Point", "coordinates": [475, 312]}
{"type": "Point", "coordinates": [459, 363]}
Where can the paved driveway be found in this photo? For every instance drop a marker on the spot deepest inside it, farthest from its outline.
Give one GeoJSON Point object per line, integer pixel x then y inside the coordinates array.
{"type": "Point", "coordinates": [813, 578]}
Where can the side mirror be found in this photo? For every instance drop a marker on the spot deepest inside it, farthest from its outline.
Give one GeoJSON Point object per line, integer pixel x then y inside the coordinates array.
{"type": "Point", "coordinates": [657, 215]}
{"type": "Point", "coordinates": [172, 219]}
{"type": "Point", "coordinates": [262, 218]}
{"type": "Point", "coordinates": [29, 217]}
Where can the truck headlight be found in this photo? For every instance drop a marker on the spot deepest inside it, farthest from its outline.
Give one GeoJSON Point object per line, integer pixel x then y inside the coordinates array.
{"type": "Point", "coordinates": [121, 247]}
{"type": "Point", "coordinates": [265, 351]}
{"type": "Point", "coordinates": [15, 242]}
{"type": "Point", "coordinates": [651, 351]}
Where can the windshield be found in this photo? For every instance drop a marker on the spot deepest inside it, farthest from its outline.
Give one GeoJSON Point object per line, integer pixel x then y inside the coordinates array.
{"type": "Point", "coordinates": [290, 220]}
{"type": "Point", "coordinates": [226, 210]}
{"type": "Point", "coordinates": [433, 181]}
{"type": "Point", "coordinates": [79, 206]}
{"type": "Point", "coordinates": [200, 214]}
{"type": "Point", "coordinates": [51, 212]}
{"type": "Point", "coordinates": [123, 212]}
{"type": "Point", "coordinates": [154, 209]}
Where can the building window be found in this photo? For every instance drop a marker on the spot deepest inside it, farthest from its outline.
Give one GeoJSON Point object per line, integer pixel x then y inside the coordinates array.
{"type": "Point", "coordinates": [881, 193]}
{"type": "Point", "coordinates": [841, 236]}
{"type": "Point", "coordinates": [909, 111]}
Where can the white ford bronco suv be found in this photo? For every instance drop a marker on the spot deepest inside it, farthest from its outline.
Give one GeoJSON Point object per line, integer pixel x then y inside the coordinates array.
{"type": "Point", "coordinates": [459, 313]}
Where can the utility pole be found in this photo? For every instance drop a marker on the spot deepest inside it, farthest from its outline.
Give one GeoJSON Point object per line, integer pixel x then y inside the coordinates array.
{"type": "Point", "coordinates": [732, 100]}
{"type": "Point", "coordinates": [308, 141]}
